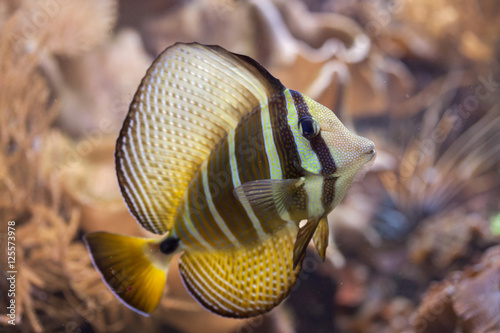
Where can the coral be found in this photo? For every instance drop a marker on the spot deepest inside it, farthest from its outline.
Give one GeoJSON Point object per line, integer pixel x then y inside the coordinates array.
{"type": "Point", "coordinates": [419, 78]}
{"type": "Point", "coordinates": [467, 300]}
{"type": "Point", "coordinates": [48, 252]}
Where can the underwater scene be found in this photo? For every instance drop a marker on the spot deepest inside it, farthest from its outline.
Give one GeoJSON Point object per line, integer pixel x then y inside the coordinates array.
{"type": "Point", "coordinates": [250, 166]}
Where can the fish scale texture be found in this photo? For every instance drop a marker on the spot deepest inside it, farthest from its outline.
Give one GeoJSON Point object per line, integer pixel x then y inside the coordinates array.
{"type": "Point", "coordinates": [189, 99]}
{"type": "Point", "coordinates": [246, 282]}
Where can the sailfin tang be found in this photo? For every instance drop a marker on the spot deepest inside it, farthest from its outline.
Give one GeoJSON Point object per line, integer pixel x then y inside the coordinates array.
{"type": "Point", "coordinates": [190, 98]}
{"type": "Point", "coordinates": [130, 267]}
{"type": "Point", "coordinates": [244, 282]}
{"type": "Point", "coordinates": [303, 238]}
{"type": "Point", "coordinates": [270, 197]}
{"type": "Point", "coordinates": [320, 237]}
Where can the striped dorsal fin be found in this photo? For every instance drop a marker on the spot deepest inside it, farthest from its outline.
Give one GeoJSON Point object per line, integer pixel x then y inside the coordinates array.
{"type": "Point", "coordinates": [244, 282]}
{"type": "Point", "coordinates": [191, 97]}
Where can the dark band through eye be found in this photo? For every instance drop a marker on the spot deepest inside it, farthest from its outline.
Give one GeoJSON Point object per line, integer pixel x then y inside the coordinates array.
{"type": "Point", "coordinates": [308, 127]}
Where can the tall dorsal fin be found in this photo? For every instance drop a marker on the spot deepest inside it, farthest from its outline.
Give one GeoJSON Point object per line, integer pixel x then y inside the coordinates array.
{"type": "Point", "coordinates": [191, 96]}
{"type": "Point", "coordinates": [243, 282]}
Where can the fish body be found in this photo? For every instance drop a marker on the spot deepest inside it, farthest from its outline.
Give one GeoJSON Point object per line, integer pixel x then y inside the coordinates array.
{"type": "Point", "coordinates": [223, 161]}
{"type": "Point", "coordinates": [211, 217]}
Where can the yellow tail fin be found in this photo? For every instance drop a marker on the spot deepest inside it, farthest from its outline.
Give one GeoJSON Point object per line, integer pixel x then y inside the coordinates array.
{"type": "Point", "coordinates": [133, 268]}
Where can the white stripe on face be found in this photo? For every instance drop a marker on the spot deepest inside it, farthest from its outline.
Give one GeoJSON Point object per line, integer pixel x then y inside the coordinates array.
{"type": "Point", "coordinates": [314, 189]}
{"type": "Point", "coordinates": [308, 158]}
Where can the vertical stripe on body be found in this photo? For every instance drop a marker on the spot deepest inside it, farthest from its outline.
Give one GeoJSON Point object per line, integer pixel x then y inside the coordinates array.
{"type": "Point", "coordinates": [185, 229]}
{"type": "Point", "coordinates": [215, 214]}
{"type": "Point", "coordinates": [284, 142]}
{"type": "Point", "coordinates": [317, 144]}
{"type": "Point", "coordinates": [249, 151]}
{"type": "Point", "coordinates": [192, 231]}
{"type": "Point", "coordinates": [201, 215]}
{"type": "Point", "coordinates": [314, 189]}
{"type": "Point", "coordinates": [275, 165]}
{"type": "Point", "coordinates": [262, 146]}
{"type": "Point", "coordinates": [253, 154]}
{"type": "Point", "coordinates": [222, 193]}
{"type": "Point", "coordinates": [286, 150]}
{"type": "Point", "coordinates": [269, 145]}
{"type": "Point", "coordinates": [237, 182]}
{"type": "Point", "coordinates": [328, 192]}
{"type": "Point", "coordinates": [308, 158]}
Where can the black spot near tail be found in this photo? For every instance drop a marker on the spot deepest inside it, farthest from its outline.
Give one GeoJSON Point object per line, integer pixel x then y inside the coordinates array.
{"type": "Point", "coordinates": [169, 245]}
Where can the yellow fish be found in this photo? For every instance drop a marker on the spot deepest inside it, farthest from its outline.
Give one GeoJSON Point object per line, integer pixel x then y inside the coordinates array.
{"type": "Point", "coordinates": [224, 161]}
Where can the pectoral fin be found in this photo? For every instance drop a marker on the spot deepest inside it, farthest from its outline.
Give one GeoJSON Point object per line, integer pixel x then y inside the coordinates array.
{"type": "Point", "coordinates": [303, 238]}
{"type": "Point", "coordinates": [320, 237]}
{"type": "Point", "coordinates": [270, 197]}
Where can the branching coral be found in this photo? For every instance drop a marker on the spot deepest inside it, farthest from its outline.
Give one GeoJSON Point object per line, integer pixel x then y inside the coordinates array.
{"type": "Point", "coordinates": [48, 260]}
{"type": "Point", "coordinates": [423, 76]}
{"type": "Point", "coordinates": [467, 300]}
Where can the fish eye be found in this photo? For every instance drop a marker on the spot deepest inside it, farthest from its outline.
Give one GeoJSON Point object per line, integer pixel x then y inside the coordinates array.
{"type": "Point", "coordinates": [308, 127]}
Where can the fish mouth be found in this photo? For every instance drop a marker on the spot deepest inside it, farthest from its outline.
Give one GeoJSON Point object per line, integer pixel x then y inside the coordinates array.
{"type": "Point", "coordinates": [370, 155]}
{"type": "Point", "coordinates": [370, 148]}
{"type": "Point", "coordinates": [371, 152]}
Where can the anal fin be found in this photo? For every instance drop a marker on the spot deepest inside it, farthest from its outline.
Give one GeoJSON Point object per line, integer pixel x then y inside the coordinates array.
{"type": "Point", "coordinates": [244, 282]}
{"type": "Point", "coordinates": [303, 238]}
{"type": "Point", "coordinates": [321, 236]}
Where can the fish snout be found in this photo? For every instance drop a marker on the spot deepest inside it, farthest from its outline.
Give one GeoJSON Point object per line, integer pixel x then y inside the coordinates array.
{"type": "Point", "coordinates": [369, 150]}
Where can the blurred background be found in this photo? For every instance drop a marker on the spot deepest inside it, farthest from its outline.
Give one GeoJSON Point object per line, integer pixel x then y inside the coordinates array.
{"type": "Point", "coordinates": [416, 238]}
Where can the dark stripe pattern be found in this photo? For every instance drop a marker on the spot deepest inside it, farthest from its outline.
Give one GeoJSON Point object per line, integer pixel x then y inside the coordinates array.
{"type": "Point", "coordinates": [318, 144]}
{"type": "Point", "coordinates": [252, 163]}
{"type": "Point", "coordinates": [328, 192]}
{"type": "Point", "coordinates": [221, 184]}
{"type": "Point", "coordinates": [201, 216]}
{"type": "Point", "coordinates": [250, 150]}
{"type": "Point", "coordinates": [283, 138]}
